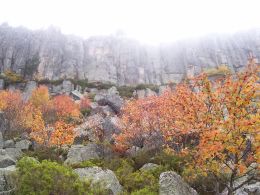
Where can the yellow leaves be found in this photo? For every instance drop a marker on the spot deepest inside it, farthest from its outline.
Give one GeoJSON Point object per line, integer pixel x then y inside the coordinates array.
{"type": "Point", "coordinates": [40, 97]}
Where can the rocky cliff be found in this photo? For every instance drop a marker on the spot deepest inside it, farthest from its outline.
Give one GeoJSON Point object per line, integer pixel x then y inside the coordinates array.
{"type": "Point", "coordinates": [115, 59]}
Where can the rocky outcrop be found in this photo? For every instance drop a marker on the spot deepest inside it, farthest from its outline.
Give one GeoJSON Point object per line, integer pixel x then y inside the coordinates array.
{"type": "Point", "coordinates": [105, 179]}
{"type": "Point", "coordinates": [172, 184]}
{"type": "Point", "coordinates": [117, 59]}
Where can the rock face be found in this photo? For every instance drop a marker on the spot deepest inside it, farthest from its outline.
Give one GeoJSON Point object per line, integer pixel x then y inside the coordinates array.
{"type": "Point", "coordinates": [172, 184]}
{"type": "Point", "coordinates": [117, 59]}
{"type": "Point", "coordinates": [106, 178]}
{"type": "Point", "coordinates": [80, 153]}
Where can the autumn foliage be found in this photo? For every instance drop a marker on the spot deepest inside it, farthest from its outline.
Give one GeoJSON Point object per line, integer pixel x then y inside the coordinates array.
{"type": "Point", "coordinates": [49, 121]}
{"type": "Point", "coordinates": [217, 123]}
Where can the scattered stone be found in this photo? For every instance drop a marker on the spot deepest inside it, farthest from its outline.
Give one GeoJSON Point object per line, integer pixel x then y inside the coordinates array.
{"type": "Point", "coordinates": [80, 153]}
{"type": "Point", "coordinates": [106, 178]}
{"type": "Point", "coordinates": [67, 86]}
{"type": "Point", "coordinates": [110, 127]}
{"type": "Point", "coordinates": [149, 167]}
{"type": "Point", "coordinates": [9, 143]}
{"type": "Point", "coordinates": [113, 91]}
{"type": "Point", "coordinates": [5, 160]}
{"type": "Point", "coordinates": [76, 95]}
{"type": "Point", "coordinates": [133, 151]}
{"type": "Point", "coordinates": [149, 92]}
{"type": "Point", "coordinates": [112, 100]}
{"type": "Point", "coordinates": [14, 153]}
{"type": "Point", "coordinates": [172, 184]}
{"type": "Point", "coordinates": [23, 144]}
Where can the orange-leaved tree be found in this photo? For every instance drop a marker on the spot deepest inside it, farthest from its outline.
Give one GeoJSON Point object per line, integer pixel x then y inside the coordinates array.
{"type": "Point", "coordinates": [63, 134]}
{"type": "Point", "coordinates": [216, 122]}
{"type": "Point", "coordinates": [65, 107]}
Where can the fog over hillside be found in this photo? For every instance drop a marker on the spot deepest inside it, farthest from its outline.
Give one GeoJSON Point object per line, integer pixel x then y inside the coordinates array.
{"type": "Point", "coordinates": [117, 59]}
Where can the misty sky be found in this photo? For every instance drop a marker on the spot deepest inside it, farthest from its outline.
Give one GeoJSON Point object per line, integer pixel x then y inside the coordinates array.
{"type": "Point", "coordinates": [149, 21]}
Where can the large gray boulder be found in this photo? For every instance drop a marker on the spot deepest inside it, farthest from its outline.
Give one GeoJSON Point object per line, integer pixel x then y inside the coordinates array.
{"type": "Point", "coordinates": [172, 184]}
{"type": "Point", "coordinates": [6, 182]}
{"type": "Point", "coordinates": [5, 159]}
{"type": "Point", "coordinates": [106, 178]}
{"type": "Point", "coordinates": [110, 127]}
{"type": "Point", "coordinates": [112, 100]}
{"type": "Point", "coordinates": [23, 144]}
{"type": "Point", "coordinates": [9, 143]}
{"type": "Point", "coordinates": [86, 131]}
{"type": "Point", "coordinates": [14, 153]}
{"type": "Point", "coordinates": [80, 153]}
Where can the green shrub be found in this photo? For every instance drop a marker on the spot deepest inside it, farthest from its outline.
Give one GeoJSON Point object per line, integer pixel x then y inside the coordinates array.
{"type": "Point", "coordinates": [45, 178]}
{"type": "Point", "coordinates": [144, 191]}
{"type": "Point", "coordinates": [47, 153]}
{"type": "Point", "coordinates": [12, 77]}
{"type": "Point", "coordinates": [150, 86]}
{"type": "Point", "coordinates": [52, 82]}
{"type": "Point", "coordinates": [220, 70]}
{"type": "Point", "coordinates": [85, 111]}
{"type": "Point", "coordinates": [170, 161]}
{"type": "Point", "coordinates": [89, 163]}
{"type": "Point", "coordinates": [126, 91]}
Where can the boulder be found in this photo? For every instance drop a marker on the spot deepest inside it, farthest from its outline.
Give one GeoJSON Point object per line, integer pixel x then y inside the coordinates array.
{"type": "Point", "coordinates": [113, 91]}
{"type": "Point", "coordinates": [14, 153]}
{"type": "Point", "coordinates": [6, 182]}
{"type": "Point", "coordinates": [56, 89]}
{"type": "Point", "coordinates": [106, 178]}
{"type": "Point", "coordinates": [133, 151]}
{"type": "Point", "coordinates": [110, 127]}
{"type": "Point", "coordinates": [23, 144]}
{"type": "Point", "coordinates": [252, 188]}
{"type": "Point", "coordinates": [149, 92]}
{"type": "Point", "coordinates": [9, 144]}
{"type": "Point", "coordinates": [172, 184]}
{"type": "Point", "coordinates": [67, 87]}
{"type": "Point", "coordinates": [112, 100]}
{"type": "Point", "coordinates": [5, 159]}
{"type": "Point", "coordinates": [139, 93]}
{"type": "Point", "coordinates": [103, 110]}
{"type": "Point", "coordinates": [80, 153]}
{"type": "Point", "coordinates": [86, 131]}
{"type": "Point", "coordinates": [149, 167]}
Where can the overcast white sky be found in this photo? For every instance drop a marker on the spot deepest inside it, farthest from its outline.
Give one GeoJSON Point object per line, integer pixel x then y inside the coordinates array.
{"type": "Point", "coordinates": [149, 21]}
